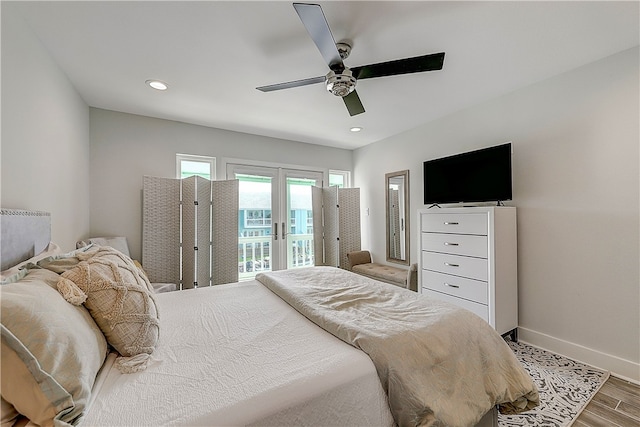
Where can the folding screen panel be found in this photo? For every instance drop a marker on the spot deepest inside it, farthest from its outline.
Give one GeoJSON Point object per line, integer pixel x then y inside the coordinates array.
{"type": "Point", "coordinates": [348, 223]}
{"type": "Point", "coordinates": [205, 252]}
{"type": "Point", "coordinates": [189, 235]}
{"type": "Point", "coordinates": [161, 229]}
{"type": "Point", "coordinates": [339, 232]}
{"type": "Point", "coordinates": [331, 225]}
{"type": "Point", "coordinates": [318, 232]}
{"type": "Point", "coordinates": [203, 229]}
{"type": "Point", "coordinates": [224, 216]}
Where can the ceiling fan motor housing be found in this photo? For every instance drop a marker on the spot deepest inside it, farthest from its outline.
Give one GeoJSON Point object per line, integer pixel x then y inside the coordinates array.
{"type": "Point", "coordinates": [341, 84]}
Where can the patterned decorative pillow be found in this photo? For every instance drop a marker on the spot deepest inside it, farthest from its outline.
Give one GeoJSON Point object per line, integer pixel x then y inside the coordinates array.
{"type": "Point", "coordinates": [120, 300]}
{"type": "Point", "coordinates": [51, 351]}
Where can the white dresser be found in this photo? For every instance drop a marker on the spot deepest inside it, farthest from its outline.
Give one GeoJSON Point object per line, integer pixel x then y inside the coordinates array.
{"type": "Point", "coordinates": [468, 256]}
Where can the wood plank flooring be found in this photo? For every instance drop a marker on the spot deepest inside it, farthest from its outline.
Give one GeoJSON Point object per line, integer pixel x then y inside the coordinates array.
{"type": "Point", "coordinates": [617, 403]}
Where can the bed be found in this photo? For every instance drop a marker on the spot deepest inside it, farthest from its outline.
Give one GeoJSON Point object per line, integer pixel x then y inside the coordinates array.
{"type": "Point", "coordinates": [252, 353]}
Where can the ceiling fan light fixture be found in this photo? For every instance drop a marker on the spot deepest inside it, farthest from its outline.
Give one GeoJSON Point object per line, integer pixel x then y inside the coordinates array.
{"type": "Point", "coordinates": [341, 84]}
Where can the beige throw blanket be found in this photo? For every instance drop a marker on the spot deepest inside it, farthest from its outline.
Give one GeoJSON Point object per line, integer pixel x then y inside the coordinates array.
{"type": "Point", "coordinates": [440, 365]}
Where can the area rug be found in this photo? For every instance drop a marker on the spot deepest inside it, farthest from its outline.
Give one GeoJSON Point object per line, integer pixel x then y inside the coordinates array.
{"type": "Point", "coordinates": [565, 387]}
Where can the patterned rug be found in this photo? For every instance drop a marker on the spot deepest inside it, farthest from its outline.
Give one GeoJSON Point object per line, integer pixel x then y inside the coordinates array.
{"type": "Point", "coordinates": [565, 387]}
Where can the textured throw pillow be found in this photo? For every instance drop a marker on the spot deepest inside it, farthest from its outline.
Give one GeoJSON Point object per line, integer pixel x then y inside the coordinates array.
{"type": "Point", "coordinates": [120, 299]}
{"type": "Point", "coordinates": [51, 351]}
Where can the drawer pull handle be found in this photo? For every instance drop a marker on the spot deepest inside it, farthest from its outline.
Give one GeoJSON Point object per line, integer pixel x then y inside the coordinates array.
{"type": "Point", "coordinates": [451, 223]}
{"type": "Point", "coordinates": [452, 286]}
{"type": "Point", "coordinates": [448, 264]}
{"type": "Point", "coordinates": [451, 244]}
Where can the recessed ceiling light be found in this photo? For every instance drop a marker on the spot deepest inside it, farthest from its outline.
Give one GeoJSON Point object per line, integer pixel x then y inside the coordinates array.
{"type": "Point", "coordinates": [157, 84]}
{"type": "Point", "coordinates": [355, 129]}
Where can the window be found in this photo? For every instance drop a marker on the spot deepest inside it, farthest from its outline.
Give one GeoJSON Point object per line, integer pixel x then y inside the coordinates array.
{"type": "Point", "coordinates": [338, 178]}
{"type": "Point", "coordinates": [188, 165]}
{"type": "Point", "coordinates": [254, 233]}
{"type": "Point", "coordinates": [257, 218]}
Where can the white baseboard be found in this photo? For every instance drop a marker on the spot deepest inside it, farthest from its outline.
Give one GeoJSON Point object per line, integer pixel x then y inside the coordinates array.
{"type": "Point", "coordinates": [625, 369]}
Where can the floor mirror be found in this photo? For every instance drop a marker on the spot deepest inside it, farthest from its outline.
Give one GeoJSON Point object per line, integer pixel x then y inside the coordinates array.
{"type": "Point", "coordinates": [397, 214]}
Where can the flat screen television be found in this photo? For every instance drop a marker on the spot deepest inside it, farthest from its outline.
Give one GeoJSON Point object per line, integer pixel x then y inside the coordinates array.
{"type": "Point", "coordinates": [476, 176]}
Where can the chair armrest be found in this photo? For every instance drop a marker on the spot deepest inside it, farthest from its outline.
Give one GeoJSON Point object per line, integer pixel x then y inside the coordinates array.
{"type": "Point", "coordinates": [412, 278]}
{"type": "Point", "coordinates": [358, 257]}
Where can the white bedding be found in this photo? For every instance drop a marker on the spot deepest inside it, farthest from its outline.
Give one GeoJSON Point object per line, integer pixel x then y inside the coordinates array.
{"type": "Point", "coordinates": [238, 355]}
{"type": "Point", "coordinates": [440, 365]}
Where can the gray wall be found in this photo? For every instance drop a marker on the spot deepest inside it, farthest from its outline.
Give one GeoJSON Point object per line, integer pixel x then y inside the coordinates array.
{"type": "Point", "coordinates": [576, 186]}
{"type": "Point", "coordinates": [45, 135]}
{"type": "Point", "coordinates": [125, 147]}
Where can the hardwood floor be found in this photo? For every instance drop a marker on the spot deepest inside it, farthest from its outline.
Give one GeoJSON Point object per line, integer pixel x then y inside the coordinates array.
{"type": "Point", "coordinates": [616, 404]}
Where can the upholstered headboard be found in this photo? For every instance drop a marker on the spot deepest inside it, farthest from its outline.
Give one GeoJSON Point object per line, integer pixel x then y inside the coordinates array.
{"type": "Point", "coordinates": [23, 234]}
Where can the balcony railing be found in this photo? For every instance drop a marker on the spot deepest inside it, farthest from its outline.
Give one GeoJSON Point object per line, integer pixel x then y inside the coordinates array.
{"type": "Point", "coordinates": [299, 250]}
{"type": "Point", "coordinates": [254, 254]}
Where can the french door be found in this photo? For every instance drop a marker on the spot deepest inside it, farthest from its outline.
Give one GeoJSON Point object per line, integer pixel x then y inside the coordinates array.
{"type": "Point", "coordinates": [275, 219]}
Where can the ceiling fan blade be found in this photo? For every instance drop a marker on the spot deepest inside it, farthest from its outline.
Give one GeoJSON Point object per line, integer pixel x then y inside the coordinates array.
{"type": "Point", "coordinates": [416, 64]}
{"type": "Point", "coordinates": [353, 103]}
{"type": "Point", "coordinates": [313, 19]}
{"type": "Point", "coordinates": [294, 83]}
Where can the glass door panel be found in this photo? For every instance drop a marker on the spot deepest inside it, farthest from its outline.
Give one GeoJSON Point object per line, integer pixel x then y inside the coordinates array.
{"type": "Point", "coordinates": [256, 226]}
{"type": "Point", "coordinates": [300, 222]}
{"type": "Point", "coordinates": [275, 218]}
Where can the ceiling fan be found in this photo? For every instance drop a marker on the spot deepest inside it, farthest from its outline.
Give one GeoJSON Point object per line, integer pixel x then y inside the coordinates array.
{"type": "Point", "coordinates": [341, 80]}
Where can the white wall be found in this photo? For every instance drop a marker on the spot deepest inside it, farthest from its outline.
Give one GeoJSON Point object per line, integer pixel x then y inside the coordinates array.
{"type": "Point", "coordinates": [125, 147]}
{"type": "Point", "coordinates": [45, 135]}
{"type": "Point", "coordinates": [576, 186]}
{"type": "Point", "coordinates": [576, 181]}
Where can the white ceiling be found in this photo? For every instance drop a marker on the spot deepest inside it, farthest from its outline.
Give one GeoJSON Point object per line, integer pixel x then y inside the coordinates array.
{"type": "Point", "coordinates": [214, 54]}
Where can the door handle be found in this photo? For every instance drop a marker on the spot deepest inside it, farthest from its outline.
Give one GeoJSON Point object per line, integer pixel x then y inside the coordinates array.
{"type": "Point", "coordinates": [275, 231]}
{"type": "Point", "coordinates": [283, 232]}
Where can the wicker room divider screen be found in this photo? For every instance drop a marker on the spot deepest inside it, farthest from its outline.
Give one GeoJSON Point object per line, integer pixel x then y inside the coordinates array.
{"type": "Point", "coordinates": [190, 231]}
{"type": "Point", "coordinates": [336, 224]}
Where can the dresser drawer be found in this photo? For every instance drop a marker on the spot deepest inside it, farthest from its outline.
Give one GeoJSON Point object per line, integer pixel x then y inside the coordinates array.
{"type": "Point", "coordinates": [458, 244]}
{"type": "Point", "coordinates": [473, 290]}
{"type": "Point", "coordinates": [473, 268]}
{"type": "Point", "coordinates": [474, 223]}
{"type": "Point", "coordinates": [478, 309]}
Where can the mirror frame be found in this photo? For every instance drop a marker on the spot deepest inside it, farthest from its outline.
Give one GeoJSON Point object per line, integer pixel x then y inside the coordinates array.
{"type": "Point", "coordinates": [387, 177]}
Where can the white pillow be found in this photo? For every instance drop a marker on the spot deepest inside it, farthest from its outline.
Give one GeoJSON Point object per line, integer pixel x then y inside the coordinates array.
{"type": "Point", "coordinates": [51, 249]}
{"type": "Point", "coordinates": [117, 243]}
{"type": "Point", "coordinates": [51, 351]}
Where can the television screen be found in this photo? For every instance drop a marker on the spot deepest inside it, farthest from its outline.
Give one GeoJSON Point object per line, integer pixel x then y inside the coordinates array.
{"type": "Point", "coordinates": [477, 176]}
